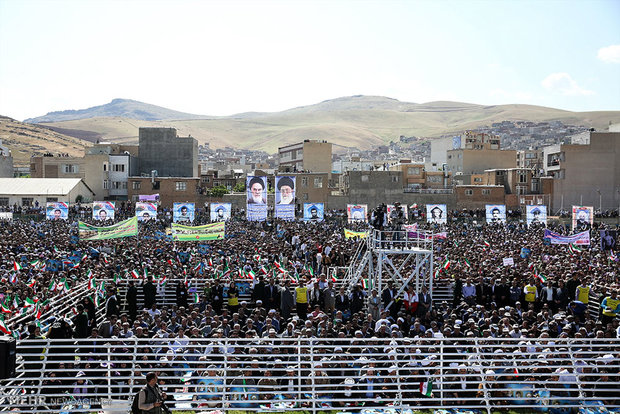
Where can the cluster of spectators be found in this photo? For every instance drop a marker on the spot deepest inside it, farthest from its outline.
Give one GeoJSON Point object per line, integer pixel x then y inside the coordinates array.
{"type": "Point", "coordinates": [378, 346]}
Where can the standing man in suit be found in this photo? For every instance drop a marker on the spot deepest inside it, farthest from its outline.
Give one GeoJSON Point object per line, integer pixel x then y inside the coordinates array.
{"type": "Point", "coordinates": [217, 296]}
{"type": "Point", "coordinates": [272, 295]}
{"type": "Point", "coordinates": [131, 297]}
{"type": "Point", "coordinates": [329, 298]}
{"type": "Point", "coordinates": [150, 293]}
{"type": "Point", "coordinates": [425, 302]}
{"type": "Point", "coordinates": [387, 296]}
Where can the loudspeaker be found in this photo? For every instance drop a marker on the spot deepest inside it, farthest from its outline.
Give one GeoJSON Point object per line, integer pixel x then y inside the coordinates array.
{"type": "Point", "coordinates": [7, 357]}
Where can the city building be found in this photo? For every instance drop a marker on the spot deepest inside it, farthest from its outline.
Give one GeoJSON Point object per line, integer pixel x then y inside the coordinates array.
{"type": "Point", "coordinates": [28, 192]}
{"type": "Point", "coordinates": [163, 151]}
{"type": "Point", "coordinates": [478, 152]}
{"type": "Point", "coordinates": [308, 156]}
{"type": "Point", "coordinates": [530, 158]}
{"type": "Point", "coordinates": [170, 189]}
{"type": "Point", "coordinates": [477, 196]}
{"type": "Point", "coordinates": [585, 174]}
{"type": "Point", "coordinates": [105, 168]}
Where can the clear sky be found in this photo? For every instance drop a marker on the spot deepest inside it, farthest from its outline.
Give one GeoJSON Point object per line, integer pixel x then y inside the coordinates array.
{"type": "Point", "coordinates": [221, 58]}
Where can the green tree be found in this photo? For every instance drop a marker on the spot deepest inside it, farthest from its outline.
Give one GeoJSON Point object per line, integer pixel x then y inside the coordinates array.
{"type": "Point", "coordinates": [239, 188]}
{"type": "Point", "coordinates": [218, 191]}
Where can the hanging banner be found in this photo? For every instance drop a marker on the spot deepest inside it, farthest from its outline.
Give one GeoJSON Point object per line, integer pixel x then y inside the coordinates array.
{"type": "Point", "coordinates": [220, 211]}
{"type": "Point", "coordinates": [582, 238]}
{"type": "Point", "coordinates": [436, 213]}
{"type": "Point", "coordinates": [536, 215]}
{"type": "Point", "coordinates": [314, 211]}
{"type": "Point", "coordinates": [126, 228]}
{"type": "Point", "coordinates": [257, 198]}
{"type": "Point", "coordinates": [154, 198]}
{"type": "Point", "coordinates": [349, 234]}
{"type": "Point", "coordinates": [103, 210]}
{"type": "Point", "coordinates": [285, 197]}
{"type": "Point", "coordinates": [357, 212]}
{"type": "Point", "coordinates": [583, 217]}
{"type": "Point", "coordinates": [146, 211]}
{"type": "Point", "coordinates": [390, 207]}
{"type": "Point", "coordinates": [183, 212]}
{"type": "Point", "coordinates": [213, 231]}
{"type": "Point", "coordinates": [57, 211]}
{"type": "Point", "coordinates": [496, 213]}
{"type": "Point", "coordinates": [608, 239]}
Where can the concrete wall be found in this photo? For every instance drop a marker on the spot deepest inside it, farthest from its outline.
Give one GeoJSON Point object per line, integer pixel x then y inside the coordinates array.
{"type": "Point", "coordinates": [317, 156]}
{"type": "Point", "coordinates": [6, 166]}
{"type": "Point", "coordinates": [588, 168]}
{"type": "Point", "coordinates": [470, 161]}
{"type": "Point", "coordinates": [171, 156]}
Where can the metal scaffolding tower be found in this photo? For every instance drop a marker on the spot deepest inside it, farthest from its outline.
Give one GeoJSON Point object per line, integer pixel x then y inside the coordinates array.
{"type": "Point", "coordinates": [374, 261]}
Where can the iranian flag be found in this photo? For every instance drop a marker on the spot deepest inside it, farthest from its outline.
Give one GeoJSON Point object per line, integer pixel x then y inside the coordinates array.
{"type": "Point", "coordinates": [3, 328]}
{"type": "Point", "coordinates": [486, 243]}
{"type": "Point", "coordinates": [32, 282]}
{"type": "Point", "coordinates": [263, 270]}
{"type": "Point", "coordinates": [52, 285]}
{"type": "Point", "coordinates": [5, 307]}
{"type": "Point", "coordinates": [162, 281]}
{"type": "Point", "coordinates": [35, 263]}
{"type": "Point", "coordinates": [426, 388]}
{"type": "Point", "coordinates": [251, 275]}
{"type": "Point", "coordinates": [446, 264]}
{"type": "Point", "coordinates": [334, 276]}
{"type": "Point", "coordinates": [91, 282]}
{"type": "Point", "coordinates": [196, 297]}
{"type": "Point", "coordinates": [16, 302]}
{"type": "Point", "coordinates": [541, 277]}
{"type": "Point", "coordinates": [197, 267]}
{"type": "Point", "coordinates": [574, 249]}
{"type": "Point", "coordinates": [16, 266]}
{"type": "Point", "coordinates": [467, 263]}
{"type": "Point", "coordinates": [310, 270]}
{"type": "Point", "coordinates": [135, 274]}
{"type": "Point", "coordinates": [365, 283]}
{"type": "Point", "coordinates": [105, 259]}
{"type": "Point", "coordinates": [84, 257]}
{"type": "Point", "coordinates": [210, 262]}
{"type": "Point", "coordinates": [278, 266]}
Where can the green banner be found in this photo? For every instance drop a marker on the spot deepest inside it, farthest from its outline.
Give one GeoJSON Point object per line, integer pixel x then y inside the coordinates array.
{"type": "Point", "coordinates": [126, 228]}
{"type": "Point", "coordinates": [213, 231]}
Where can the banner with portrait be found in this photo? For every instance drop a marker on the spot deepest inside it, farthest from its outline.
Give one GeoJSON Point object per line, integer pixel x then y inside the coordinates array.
{"type": "Point", "coordinates": [583, 217]}
{"type": "Point", "coordinates": [57, 211]}
{"type": "Point", "coordinates": [146, 211]}
{"type": "Point", "coordinates": [314, 211]}
{"type": "Point", "coordinates": [257, 198]}
{"type": "Point", "coordinates": [403, 207]}
{"type": "Point", "coordinates": [536, 215]}
{"type": "Point", "coordinates": [496, 213]}
{"type": "Point", "coordinates": [608, 240]}
{"type": "Point", "coordinates": [183, 212]}
{"type": "Point", "coordinates": [213, 231]}
{"type": "Point", "coordinates": [436, 213]}
{"type": "Point", "coordinates": [285, 197]}
{"type": "Point", "coordinates": [220, 211]}
{"type": "Point", "coordinates": [153, 198]}
{"type": "Point", "coordinates": [357, 212]}
{"type": "Point", "coordinates": [103, 210]}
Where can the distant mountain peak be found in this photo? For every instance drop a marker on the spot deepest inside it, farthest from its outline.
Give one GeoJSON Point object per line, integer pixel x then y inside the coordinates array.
{"type": "Point", "coordinates": [118, 107]}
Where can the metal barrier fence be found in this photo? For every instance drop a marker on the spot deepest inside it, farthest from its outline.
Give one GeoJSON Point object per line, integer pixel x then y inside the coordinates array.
{"type": "Point", "coordinates": [313, 374]}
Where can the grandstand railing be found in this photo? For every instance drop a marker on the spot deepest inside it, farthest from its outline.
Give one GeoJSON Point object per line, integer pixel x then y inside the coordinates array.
{"type": "Point", "coordinates": [58, 306]}
{"type": "Point", "coordinates": [312, 374]}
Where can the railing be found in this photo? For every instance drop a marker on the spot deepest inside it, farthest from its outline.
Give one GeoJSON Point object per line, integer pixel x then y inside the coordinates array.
{"type": "Point", "coordinates": [59, 305]}
{"type": "Point", "coordinates": [402, 239]}
{"type": "Point", "coordinates": [293, 374]}
{"type": "Point", "coordinates": [428, 190]}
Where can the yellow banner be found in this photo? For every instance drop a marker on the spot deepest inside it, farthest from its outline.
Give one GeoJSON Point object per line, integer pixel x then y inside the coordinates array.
{"type": "Point", "coordinates": [348, 234]}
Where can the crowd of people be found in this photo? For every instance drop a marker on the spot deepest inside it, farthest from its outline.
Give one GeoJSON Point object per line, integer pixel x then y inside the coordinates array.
{"type": "Point", "coordinates": [267, 283]}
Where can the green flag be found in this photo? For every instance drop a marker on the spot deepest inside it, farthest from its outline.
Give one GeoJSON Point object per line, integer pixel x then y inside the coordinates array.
{"type": "Point", "coordinates": [126, 228]}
